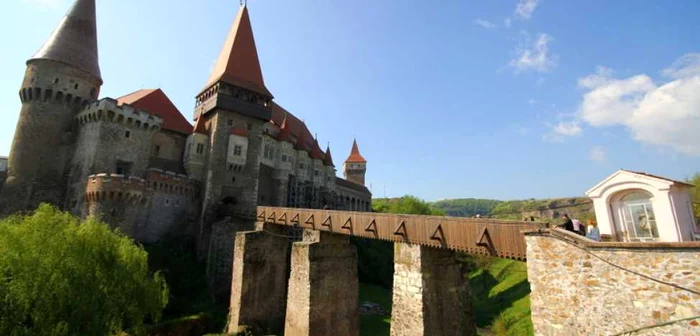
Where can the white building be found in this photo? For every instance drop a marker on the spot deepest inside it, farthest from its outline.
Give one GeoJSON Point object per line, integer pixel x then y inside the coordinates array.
{"type": "Point", "coordinates": [639, 207]}
{"type": "Point", "coordinates": [3, 164]}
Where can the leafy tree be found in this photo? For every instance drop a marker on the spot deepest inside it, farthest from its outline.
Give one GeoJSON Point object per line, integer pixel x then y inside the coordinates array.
{"type": "Point", "coordinates": [695, 194]}
{"type": "Point", "coordinates": [63, 276]}
{"type": "Point", "coordinates": [466, 207]}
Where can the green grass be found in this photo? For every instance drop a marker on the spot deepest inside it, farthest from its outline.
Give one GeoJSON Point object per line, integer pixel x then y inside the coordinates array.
{"type": "Point", "coordinates": [375, 325]}
{"type": "Point", "coordinates": [502, 297]}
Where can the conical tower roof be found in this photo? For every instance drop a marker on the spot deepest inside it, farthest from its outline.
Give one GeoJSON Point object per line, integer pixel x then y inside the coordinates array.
{"type": "Point", "coordinates": [355, 154]}
{"type": "Point", "coordinates": [328, 159]}
{"type": "Point", "coordinates": [285, 134]}
{"type": "Point", "coordinates": [74, 42]}
{"type": "Point", "coordinates": [238, 62]}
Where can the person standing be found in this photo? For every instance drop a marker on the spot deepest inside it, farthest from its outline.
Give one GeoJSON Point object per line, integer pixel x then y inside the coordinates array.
{"type": "Point", "coordinates": [593, 232]}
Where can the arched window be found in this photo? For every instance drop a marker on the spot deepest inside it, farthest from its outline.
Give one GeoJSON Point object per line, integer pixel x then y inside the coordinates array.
{"type": "Point", "coordinates": [638, 222]}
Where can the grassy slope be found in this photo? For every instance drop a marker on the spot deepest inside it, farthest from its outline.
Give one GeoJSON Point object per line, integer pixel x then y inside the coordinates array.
{"type": "Point", "coordinates": [375, 325]}
{"type": "Point", "coordinates": [502, 297]}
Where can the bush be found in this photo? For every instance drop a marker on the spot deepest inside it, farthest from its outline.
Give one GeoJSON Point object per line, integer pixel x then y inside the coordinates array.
{"type": "Point", "coordinates": [63, 276]}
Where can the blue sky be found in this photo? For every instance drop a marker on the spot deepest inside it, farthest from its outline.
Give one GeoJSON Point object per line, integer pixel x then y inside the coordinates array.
{"type": "Point", "coordinates": [487, 99]}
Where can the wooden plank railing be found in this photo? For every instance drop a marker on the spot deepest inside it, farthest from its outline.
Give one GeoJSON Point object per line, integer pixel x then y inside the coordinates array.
{"type": "Point", "coordinates": [484, 236]}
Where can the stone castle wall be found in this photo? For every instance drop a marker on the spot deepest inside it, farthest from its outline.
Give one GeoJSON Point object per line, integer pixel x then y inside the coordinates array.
{"type": "Point", "coordinates": [584, 288]}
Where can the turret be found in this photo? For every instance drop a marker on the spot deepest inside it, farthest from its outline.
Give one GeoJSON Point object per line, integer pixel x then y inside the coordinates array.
{"type": "Point", "coordinates": [61, 79]}
{"type": "Point", "coordinates": [196, 149]}
{"type": "Point", "coordinates": [355, 166]}
{"type": "Point", "coordinates": [116, 199]}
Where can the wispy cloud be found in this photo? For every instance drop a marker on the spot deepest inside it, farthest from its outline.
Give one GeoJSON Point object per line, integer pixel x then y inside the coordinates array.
{"type": "Point", "coordinates": [597, 154]}
{"type": "Point", "coordinates": [570, 128]}
{"type": "Point", "coordinates": [534, 54]}
{"type": "Point", "coordinates": [665, 114]}
{"type": "Point", "coordinates": [525, 8]}
{"type": "Point", "coordinates": [485, 23]}
{"type": "Point", "coordinates": [506, 23]}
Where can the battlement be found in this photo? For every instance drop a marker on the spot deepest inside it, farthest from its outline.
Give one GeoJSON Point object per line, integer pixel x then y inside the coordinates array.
{"type": "Point", "coordinates": [37, 94]}
{"type": "Point", "coordinates": [109, 110]}
{"type": "Point", "coordinates": [113, 187]}
{"type": "Point", "coordinates": [160, 181]}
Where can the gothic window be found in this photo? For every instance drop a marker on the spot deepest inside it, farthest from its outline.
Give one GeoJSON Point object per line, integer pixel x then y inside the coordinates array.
{"type": "Point", "coordinates": [200, 148]}
{"type": "Point", "coordinates": [237, 150]}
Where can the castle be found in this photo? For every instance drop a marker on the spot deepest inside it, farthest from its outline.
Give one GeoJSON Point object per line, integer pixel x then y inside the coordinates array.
{"type": "Point", "coordinates": [137, 162]}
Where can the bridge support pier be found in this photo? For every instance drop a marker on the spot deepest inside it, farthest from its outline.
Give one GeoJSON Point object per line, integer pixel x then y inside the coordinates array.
{"type": "Point", "coordinates": [430, 296]}
{"type": "Point", "coordinates": [259, 280]}
{"type": "Point", "coordinates": [323, 287]}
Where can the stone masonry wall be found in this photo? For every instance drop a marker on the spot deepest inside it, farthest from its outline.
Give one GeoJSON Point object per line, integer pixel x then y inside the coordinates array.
{"type": "Point", "coordinates": [585, 288]}
{"type": "Point", "coordinates": [430, 296]}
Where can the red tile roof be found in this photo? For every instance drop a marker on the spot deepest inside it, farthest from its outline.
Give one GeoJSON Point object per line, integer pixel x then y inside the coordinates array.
{"type": "Point", "coordinates": [200, 127]}
{"type": "Point", "coordinates": [355, 154]}
{"type": "Point", "coordinates": [238, 62]}
{"type": "Point", "coordinates": [156, 102]}
{"type": "Point", "coordinates": [679, 183]}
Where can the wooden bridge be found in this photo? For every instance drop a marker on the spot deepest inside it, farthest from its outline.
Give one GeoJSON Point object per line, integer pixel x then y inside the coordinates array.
{"type": "Point", "coordinates": [472, 235]}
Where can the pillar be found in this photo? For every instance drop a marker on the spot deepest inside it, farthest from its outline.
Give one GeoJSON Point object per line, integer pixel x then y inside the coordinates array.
{"type": "Point", "coordinates": [323, 288]}
{"type": "Point", "coordinates": [430, 295]}
{"type": "Point", "coordinates": [259, 281]}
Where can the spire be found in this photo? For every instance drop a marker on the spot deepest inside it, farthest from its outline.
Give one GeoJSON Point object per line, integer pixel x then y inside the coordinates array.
{"type": "Point", "coordinates": [329, 159]}
{"type": "Point", "coordinates": [238, 62]}
{"type": "Point", "coordinates": [74, 42]}
{"type": "Point", "coordinates": [355, 154]}
{"type": "Point", "coordinates": [285, 134]}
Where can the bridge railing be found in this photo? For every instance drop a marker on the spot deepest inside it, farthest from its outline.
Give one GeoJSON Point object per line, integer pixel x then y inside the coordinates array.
{"type": "Point", "coordinates": [484, 236]}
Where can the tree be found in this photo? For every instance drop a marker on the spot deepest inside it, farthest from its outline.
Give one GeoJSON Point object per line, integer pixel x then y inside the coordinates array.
{"type": "Point", "coordinates": [695, 194]}
{"type": "Point", "coordinates": [63, 276]}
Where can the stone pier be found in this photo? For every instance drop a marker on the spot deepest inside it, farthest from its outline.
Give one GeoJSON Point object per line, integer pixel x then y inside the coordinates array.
{"type": "Point", "coordinates": [323, 287]}
{"type": "Point", "coordinates": [430, 296]}
{"type": "Point", "coordinates": [259, 281]}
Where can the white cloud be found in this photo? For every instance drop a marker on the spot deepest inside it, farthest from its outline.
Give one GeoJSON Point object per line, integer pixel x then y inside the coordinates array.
{"type": "Point", "coordinates": [534, 55]}
{"type": "Point", "coordinates": [506, 23]}
{"type": "Point", "coordinates": [597, 154]}
{"type": "Point", "coordinates": [664, 114]}
{"type": "Point", "coordinates": [525, 8]}
{"type": "Point", "coordinates": [485, 23]}
{"type": "Point", "coordinates": [565, 128]}
{"type": "Point", "coordinates": [531, 102]}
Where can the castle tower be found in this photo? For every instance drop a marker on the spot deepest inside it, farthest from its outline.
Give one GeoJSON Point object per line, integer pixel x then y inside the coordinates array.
{"type": "Point", "coordinates": [234, 106]}
{"type": "Point", "coordinates": [61, 78]}
{"type": "Point", "coordinates": [355, 166]}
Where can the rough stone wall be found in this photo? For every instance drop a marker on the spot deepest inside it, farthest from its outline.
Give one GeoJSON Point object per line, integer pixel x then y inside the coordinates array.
{"type": "Point", "coordinates": [259, 281]}
{"type": "Point", "coordinates": [51, 94]}
{"type": "Point", "coordinates": [582, 288]}
{"type": "Point", "coordinates": [266, 186]}
{"type": "Point", "coordinates": [323, 287]}
{"type": "Point", "coordinates": [167, 148]}
{"type": "Point", "coordinates": [220, 255]}
{"type": "Point", "coordinates": [167, 214]}
{"type": "Point", "coordinates": [430, 296]}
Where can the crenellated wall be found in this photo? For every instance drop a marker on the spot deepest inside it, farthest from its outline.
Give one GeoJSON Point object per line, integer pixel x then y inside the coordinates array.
{"type": "Point", "coordinates": [580, 287]}
{"type": "Point", "coordinates": [116, 199]}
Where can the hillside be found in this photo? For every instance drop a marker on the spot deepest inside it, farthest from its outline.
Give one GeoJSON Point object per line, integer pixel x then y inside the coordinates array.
{"type": "Point", "coordinates": [540, 210]}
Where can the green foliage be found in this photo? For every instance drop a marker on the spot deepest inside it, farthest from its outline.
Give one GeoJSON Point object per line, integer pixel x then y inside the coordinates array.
{"type": "Point", "coordinates": [63, 276]}
{"type": "Point", "coordinates": [409, 205]}
{"type": "Point", "coordinates": [695, 194]}
{"type": "Point", "coordinates": [466, 207]}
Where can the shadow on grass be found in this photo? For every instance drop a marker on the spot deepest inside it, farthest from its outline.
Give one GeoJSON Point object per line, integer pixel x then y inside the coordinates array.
{"type": "Point", "coordinates": [488, 306]}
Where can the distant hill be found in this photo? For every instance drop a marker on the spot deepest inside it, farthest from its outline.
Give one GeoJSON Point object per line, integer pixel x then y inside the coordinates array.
{"type": "Point", "coordinates": [539, 209]}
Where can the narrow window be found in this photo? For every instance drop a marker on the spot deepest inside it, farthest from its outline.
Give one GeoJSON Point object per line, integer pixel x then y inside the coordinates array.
{"type": "Point", "coordinates": [167, 202]}
{"type": "Point", "coordinates": [200, 148]}
{"type": "Point", "coordinates": [127, 134]}
{"type": "Point", "coordinates": [76, 86]}
{"type": "Point", "coordinates": [55, 81]}
{"type": "Point", "coordinates": [229, 122]}
{"type": "Point", "coordinates": [250, 126]}
{"type": "Point", "coordinates": [230, 167]}
{"type": "Point", "coordinates": [157, 151]}
{"type": "Point", "coordinates": [233, 179]}
{"type": "Point", "coordinates": [177, 203]}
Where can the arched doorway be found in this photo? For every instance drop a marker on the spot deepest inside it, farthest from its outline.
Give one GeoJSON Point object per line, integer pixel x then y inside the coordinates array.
{"type": "Point", "coordinates": [636, 220]}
